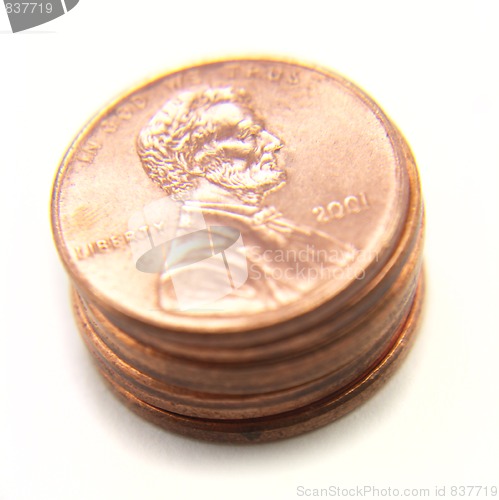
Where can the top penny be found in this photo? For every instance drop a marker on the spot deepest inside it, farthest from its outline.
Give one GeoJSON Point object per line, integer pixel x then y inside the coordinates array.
{"type": "Point", "coordinates": [236, 188]}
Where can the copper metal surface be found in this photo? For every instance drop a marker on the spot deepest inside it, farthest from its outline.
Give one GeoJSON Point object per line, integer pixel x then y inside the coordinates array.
{"type": "Point", "coordinates": [289, 423]}
{"type": "Point", "coordinates": [244, 239]}
{"type": "Point", "coordinates": [334, 144]}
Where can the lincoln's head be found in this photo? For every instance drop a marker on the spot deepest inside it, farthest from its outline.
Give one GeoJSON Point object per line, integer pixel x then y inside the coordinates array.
{"type": "Point", "coordinates": [212, 135]}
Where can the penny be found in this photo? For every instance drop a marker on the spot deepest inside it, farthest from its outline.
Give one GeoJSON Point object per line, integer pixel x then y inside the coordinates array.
{"type": "Point", "coordinates": [244, 238]}
{"type": "Point", "coordinates": [288, 153]}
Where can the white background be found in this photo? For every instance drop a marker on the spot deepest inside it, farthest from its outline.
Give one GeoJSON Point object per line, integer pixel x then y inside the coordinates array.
{"type": "Point", "coordinates": [433, 67]}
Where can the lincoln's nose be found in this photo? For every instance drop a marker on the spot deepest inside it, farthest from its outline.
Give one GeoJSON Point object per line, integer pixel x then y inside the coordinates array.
{"type": "Point", "coordinates": [269, 142]}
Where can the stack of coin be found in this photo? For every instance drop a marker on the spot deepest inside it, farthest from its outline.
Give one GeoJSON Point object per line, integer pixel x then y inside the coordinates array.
{"type": "Point", "coordinates": [244, 241]}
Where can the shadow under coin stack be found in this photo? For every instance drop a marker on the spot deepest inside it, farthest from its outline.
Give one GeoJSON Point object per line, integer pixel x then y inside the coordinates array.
{"type": "Point", "coordinates": [244, 240]}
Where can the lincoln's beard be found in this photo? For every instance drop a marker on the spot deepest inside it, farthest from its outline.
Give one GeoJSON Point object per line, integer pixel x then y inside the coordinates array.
{"type": "Point", "coordinates": [251, 184]}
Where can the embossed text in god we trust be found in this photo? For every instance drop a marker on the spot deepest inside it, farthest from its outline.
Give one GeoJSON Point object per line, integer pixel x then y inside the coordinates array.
{"type": "Point", "coordinates": [231, 72]}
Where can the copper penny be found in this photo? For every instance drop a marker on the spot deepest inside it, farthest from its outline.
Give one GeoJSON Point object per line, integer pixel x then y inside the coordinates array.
{"type": "Point", "coordinates": [244, 238]}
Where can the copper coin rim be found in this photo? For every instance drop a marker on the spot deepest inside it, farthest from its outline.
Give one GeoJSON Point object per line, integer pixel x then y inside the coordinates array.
{"type": "Point", "coordinates": [294, 422]}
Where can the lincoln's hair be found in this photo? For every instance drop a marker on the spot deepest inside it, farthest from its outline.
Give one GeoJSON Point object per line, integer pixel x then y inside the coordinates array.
{"type": "Point", "coordinates": [168, 143]}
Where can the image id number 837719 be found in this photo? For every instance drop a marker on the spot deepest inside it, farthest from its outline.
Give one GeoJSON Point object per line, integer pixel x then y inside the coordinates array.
{"type": "Point", "coordinates": [29, 7]}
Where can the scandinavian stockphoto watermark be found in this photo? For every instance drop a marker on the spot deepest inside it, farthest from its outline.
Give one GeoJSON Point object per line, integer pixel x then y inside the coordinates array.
{"type": "Point", "coordinates": [26, 15]}
{"type": "Point", "coordinates": [199, 263]}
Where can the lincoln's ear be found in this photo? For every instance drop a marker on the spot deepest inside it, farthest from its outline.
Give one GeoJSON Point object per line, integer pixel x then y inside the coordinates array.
{"type": "Point", "coordinates": [201, 161]}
